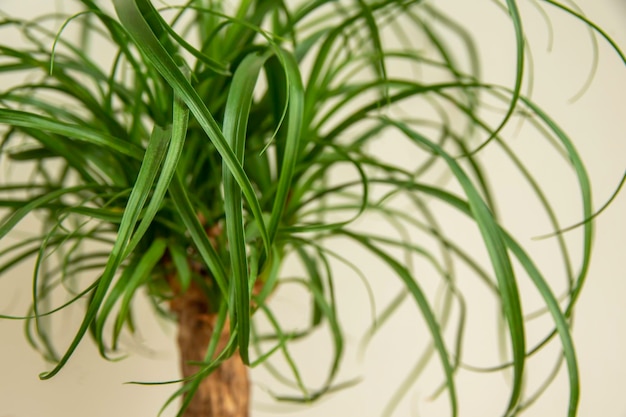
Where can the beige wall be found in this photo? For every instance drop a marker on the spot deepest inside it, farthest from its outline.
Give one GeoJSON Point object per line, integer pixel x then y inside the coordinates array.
{"type": "Point", "coordinates": [89, 386]}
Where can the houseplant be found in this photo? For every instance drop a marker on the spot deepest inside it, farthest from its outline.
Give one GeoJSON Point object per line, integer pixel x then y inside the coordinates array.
{"type": "Point", "coordinates": [202, 182]}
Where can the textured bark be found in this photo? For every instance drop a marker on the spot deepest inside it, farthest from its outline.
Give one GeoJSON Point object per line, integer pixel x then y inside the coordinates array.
{"type": "Point", "coordinates": [226, 392]}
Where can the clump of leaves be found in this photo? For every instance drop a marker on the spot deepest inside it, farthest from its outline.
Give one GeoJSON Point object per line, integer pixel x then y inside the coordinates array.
{"type": "Point", "coordinates": [206, 151]}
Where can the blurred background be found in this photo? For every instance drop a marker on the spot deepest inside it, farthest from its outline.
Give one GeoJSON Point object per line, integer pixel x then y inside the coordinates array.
{"type": "Point", "coordinates": [90, 386]}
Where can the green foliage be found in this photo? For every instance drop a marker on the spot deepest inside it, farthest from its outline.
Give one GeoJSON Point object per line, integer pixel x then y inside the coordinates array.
{"type": "Point", "coordinates": [207, 147]}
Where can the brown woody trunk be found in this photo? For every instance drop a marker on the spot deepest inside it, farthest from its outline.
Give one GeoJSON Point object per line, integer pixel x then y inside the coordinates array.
{"type": "Point", "coordinates": [226, 392]}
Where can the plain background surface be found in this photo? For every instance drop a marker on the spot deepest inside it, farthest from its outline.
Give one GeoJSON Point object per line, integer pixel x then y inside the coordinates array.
{"type": "Point", "coordinates": [89, 386]}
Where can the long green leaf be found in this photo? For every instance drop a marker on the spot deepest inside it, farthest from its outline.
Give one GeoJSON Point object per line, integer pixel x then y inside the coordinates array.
{"type": "Point", "coordinates": [81, 133]}
{"type": "Point", "coordinates": [293, 140]}
{"type": "Point", "coordinates": [424, 306]}
{"type": "Point", "coordinates": [498, 254]}
{"type": "Point", "coordinates": [198, 235]}
{"type": "Point", "coordinates": [170, 163]}
{"type": "Point", "coordinates": [236, 116]}
{"type": "Point", "coordinates": [145, 40]}
{"type": "Point", "coordinates": [142, 272]}
{"type": "Point", "coordinates": [141, 190]}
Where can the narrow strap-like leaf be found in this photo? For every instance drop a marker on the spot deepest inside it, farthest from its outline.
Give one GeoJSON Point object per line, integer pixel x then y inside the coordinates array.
{"type": "Point", "coordinates": [82, 133]}
{"type": "Point", "coordinates": [198, 234]}
{"type": "Point", "coordinates": [143, 186]}
{"type": "Point", "coordinates": [170, 163]}
{"type": "Point", "coordinates": [293, 138]}
{"type": "Point", "coordinates": [429, 316]}
{"type": "Point", "coordinates": [142, 272]}
{"type": "Point", "coordinates": [236, 116]}
{"type": "Point", "coordinates": [497, 249]}
{"type": "Point", "coordinates": [133, 21]}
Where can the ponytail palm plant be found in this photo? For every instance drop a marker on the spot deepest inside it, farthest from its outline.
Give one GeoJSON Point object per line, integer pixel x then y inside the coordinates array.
{"type": "Point", "coordinates": [220, 140]}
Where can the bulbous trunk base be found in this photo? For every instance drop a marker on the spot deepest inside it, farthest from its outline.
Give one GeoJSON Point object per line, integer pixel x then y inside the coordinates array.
{"type": "Point", "coordinates": [226, 391]}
